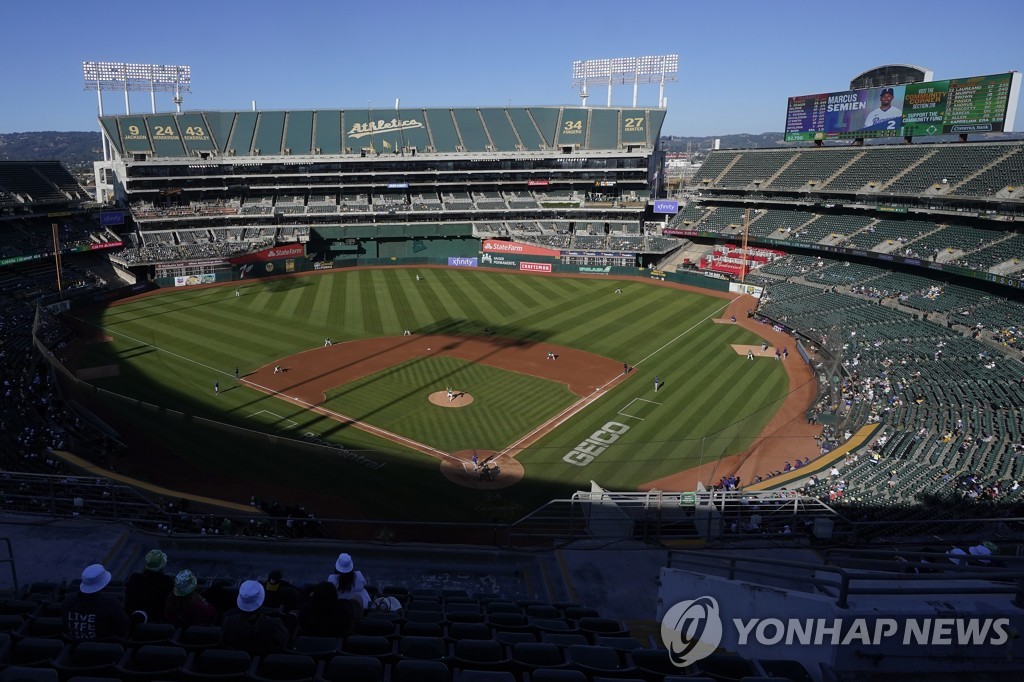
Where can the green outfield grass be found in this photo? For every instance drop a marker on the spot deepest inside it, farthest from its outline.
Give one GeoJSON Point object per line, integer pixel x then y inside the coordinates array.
{"type": "Point", "coordinates": [172, 347]}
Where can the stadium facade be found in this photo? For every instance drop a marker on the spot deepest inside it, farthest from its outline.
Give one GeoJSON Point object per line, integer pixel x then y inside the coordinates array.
{"type": "Point", "coordinates": [373, 184]}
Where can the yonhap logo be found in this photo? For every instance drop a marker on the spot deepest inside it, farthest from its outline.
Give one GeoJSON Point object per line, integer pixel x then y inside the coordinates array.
{"type": "Point", "coordinates": [692, 630]}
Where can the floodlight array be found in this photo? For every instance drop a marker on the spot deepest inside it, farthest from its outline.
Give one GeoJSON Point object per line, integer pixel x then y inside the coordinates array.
{"type": "Point", "coordinates": [125, 76]}
{"type": "Point", "coordinates": [625, 69]}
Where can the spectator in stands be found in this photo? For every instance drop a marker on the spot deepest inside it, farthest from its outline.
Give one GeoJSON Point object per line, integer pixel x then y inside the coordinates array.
{"type": "Point", "coordinates": [251, 630]}
{"type": "Point", "coordinates": [280, 592]}
{"type": "Point", "coordinates": [184, 605]}
{"type": "Point", "coordinates": [146, 591]}
{"type": "Point", "coordinates": [91, 615]}
{"type": "Point", "coordinates": [349, 582]}
{"type": "Point", "coordinates": [324, 615]}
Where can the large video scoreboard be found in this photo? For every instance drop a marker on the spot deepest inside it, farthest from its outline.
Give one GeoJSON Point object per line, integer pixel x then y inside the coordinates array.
{"type": "Point", "coordinates": [981, 104]}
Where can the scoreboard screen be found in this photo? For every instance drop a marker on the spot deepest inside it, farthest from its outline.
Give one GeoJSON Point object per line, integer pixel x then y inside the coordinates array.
{"type": "Point", "coordinates": [981, 104]}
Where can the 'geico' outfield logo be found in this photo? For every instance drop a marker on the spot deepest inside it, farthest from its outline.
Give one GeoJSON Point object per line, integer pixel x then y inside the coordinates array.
{"type": "Point", "coordinates": [692, 630]}
{"type": "Point", "coordinates": [587, 451]}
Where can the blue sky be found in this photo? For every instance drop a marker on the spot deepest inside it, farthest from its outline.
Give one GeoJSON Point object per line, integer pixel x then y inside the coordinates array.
{"type": "Point", "coordinates": [738, 60]}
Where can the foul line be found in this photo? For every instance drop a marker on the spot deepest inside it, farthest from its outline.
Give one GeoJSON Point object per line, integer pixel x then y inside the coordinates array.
{"type": "Point", "coordinates": [574, 409]}
{"type": "Point", "coordinates": [351, 421]}
{"type": "Point", "coordinates": [157, 348]}
{"type": "Point", "coordinates": [387, 435]}
{"type": "Point", "coordinates": [682, 334]}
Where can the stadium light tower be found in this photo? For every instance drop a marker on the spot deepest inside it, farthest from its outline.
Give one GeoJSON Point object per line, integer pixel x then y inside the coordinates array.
{"type": "Point", "coordinates": [623, 70]}
{"type": "Point", "coordinates": [100, 76]}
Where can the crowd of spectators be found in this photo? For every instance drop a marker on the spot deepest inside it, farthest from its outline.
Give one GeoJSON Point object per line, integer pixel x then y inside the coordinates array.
{"type": "Point", "coordinates": [260, 616]}
{"type": "Point", "coordinates": [181, 251]}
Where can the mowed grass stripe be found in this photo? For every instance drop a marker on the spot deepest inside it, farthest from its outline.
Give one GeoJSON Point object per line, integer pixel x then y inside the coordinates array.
{"type": "Point", "coordinates": [372, 296]}
{"type": "Point", "coordinates": [495, 303]}
{"type": "Point", "coordinates": [205, 334]}
{"type": "Point", "coordinates": [323, 296]}
{"type": "Point", "coordinates": [460, 310]}
{"type": "Point", "coordinates": [465, 298]}
{"type": "Point", "coordinates": [396, 399]}
{"type": "Point", "coordinates": [396, 315]}
{"type": "Point", "coordinates": [616, 335]}
{"type": "Point", "coordinates": [437, 316]}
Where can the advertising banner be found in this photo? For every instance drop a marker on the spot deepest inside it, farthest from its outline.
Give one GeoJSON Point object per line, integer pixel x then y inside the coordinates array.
{"type": "Point", "coordinates": [274, 253]}
{"type": "Point", "coordinates": [737, 288]}
{"type": "Point", "coordinates": [192, 280]}
{"type": "Point", "coordinates": [526, 266]}
{"type": "Point", "coordinates": [112, 218]}
{"type": "Point", "coordinates": [492, 260]}
{"type": "Point", "coordinates": [105, 245]}
{"type": "Point", "coordinates": [670, 207]}
{"type": "Point", "coordinates": [517, 249]}
{"type": "Point", "coordinates": [461, 262]}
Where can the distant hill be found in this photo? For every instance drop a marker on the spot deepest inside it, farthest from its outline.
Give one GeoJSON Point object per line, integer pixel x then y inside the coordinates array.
{"type": "Point", "coordinates": [77, 150]}
{"type": "Point", "coordinates": [703, 145]}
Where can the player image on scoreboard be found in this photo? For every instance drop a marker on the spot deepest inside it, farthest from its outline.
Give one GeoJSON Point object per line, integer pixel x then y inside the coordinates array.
{"type": "Point", "coordinates": [885, 108]}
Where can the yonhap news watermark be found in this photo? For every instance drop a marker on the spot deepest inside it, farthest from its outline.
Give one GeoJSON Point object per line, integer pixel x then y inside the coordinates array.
{"type": "Point", "coordinates": [694, 629]}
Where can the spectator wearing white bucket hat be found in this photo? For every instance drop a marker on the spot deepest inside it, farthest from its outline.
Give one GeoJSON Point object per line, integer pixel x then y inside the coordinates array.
{"type": "Point", "coordinates": [349, 582]}
{"type": "Point", "coordinates": [91, 615]}
{"type": "Point", "coordinates": [249, 628]}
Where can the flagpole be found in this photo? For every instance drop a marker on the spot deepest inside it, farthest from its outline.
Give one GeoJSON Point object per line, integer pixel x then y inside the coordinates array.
{"type": "Point", "coordinates": [401, 134]}
{"type": "Point", "coordinates": [369, 127]}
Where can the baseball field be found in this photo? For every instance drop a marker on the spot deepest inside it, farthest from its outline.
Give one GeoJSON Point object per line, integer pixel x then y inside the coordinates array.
{"type": "Point", "coordinates": [524, 372]}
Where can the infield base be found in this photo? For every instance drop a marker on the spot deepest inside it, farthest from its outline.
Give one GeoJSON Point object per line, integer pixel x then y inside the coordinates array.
{"type": "Point", "coordinates": [502, 471]}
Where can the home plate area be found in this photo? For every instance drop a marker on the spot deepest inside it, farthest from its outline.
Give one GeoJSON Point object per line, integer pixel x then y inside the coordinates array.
{"type": "Point", "coordinates": [491, 471]}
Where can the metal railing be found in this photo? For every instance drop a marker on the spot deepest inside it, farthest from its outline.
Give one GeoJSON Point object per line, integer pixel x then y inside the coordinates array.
{"type": "Point", "coordinates": [841, 583]}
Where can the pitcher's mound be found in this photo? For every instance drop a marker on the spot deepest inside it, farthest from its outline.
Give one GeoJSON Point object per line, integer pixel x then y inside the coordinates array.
{"type": "Point", "coordinates": [491, 473]}
{"type": "Point", "coordinates": [459, 399]}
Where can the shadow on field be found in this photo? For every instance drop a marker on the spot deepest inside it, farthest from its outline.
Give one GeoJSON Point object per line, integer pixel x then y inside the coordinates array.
{"type": "Point", "coordinates": [183, 441]}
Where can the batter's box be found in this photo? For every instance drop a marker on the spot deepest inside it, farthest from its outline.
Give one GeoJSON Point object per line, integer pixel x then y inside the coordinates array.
{"type": "Point", "coordinates": [289, 424]}
{"type": "Point", "coordinates": [639, 408]}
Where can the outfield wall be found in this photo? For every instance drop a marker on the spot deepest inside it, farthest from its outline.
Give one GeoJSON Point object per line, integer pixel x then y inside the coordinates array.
{"type": "Point", "coordinates": [450, 251]}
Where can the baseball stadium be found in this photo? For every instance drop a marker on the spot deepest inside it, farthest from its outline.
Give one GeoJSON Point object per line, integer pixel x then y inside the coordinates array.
{"type": "Point", "coordinates": [497, 344]}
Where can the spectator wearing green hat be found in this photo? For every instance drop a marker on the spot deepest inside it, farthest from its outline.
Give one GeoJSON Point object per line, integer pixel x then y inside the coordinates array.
{"type": "Point", "coordinates": [147, 590]}
{"type": "Point", "coordinates": [185, 606]}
